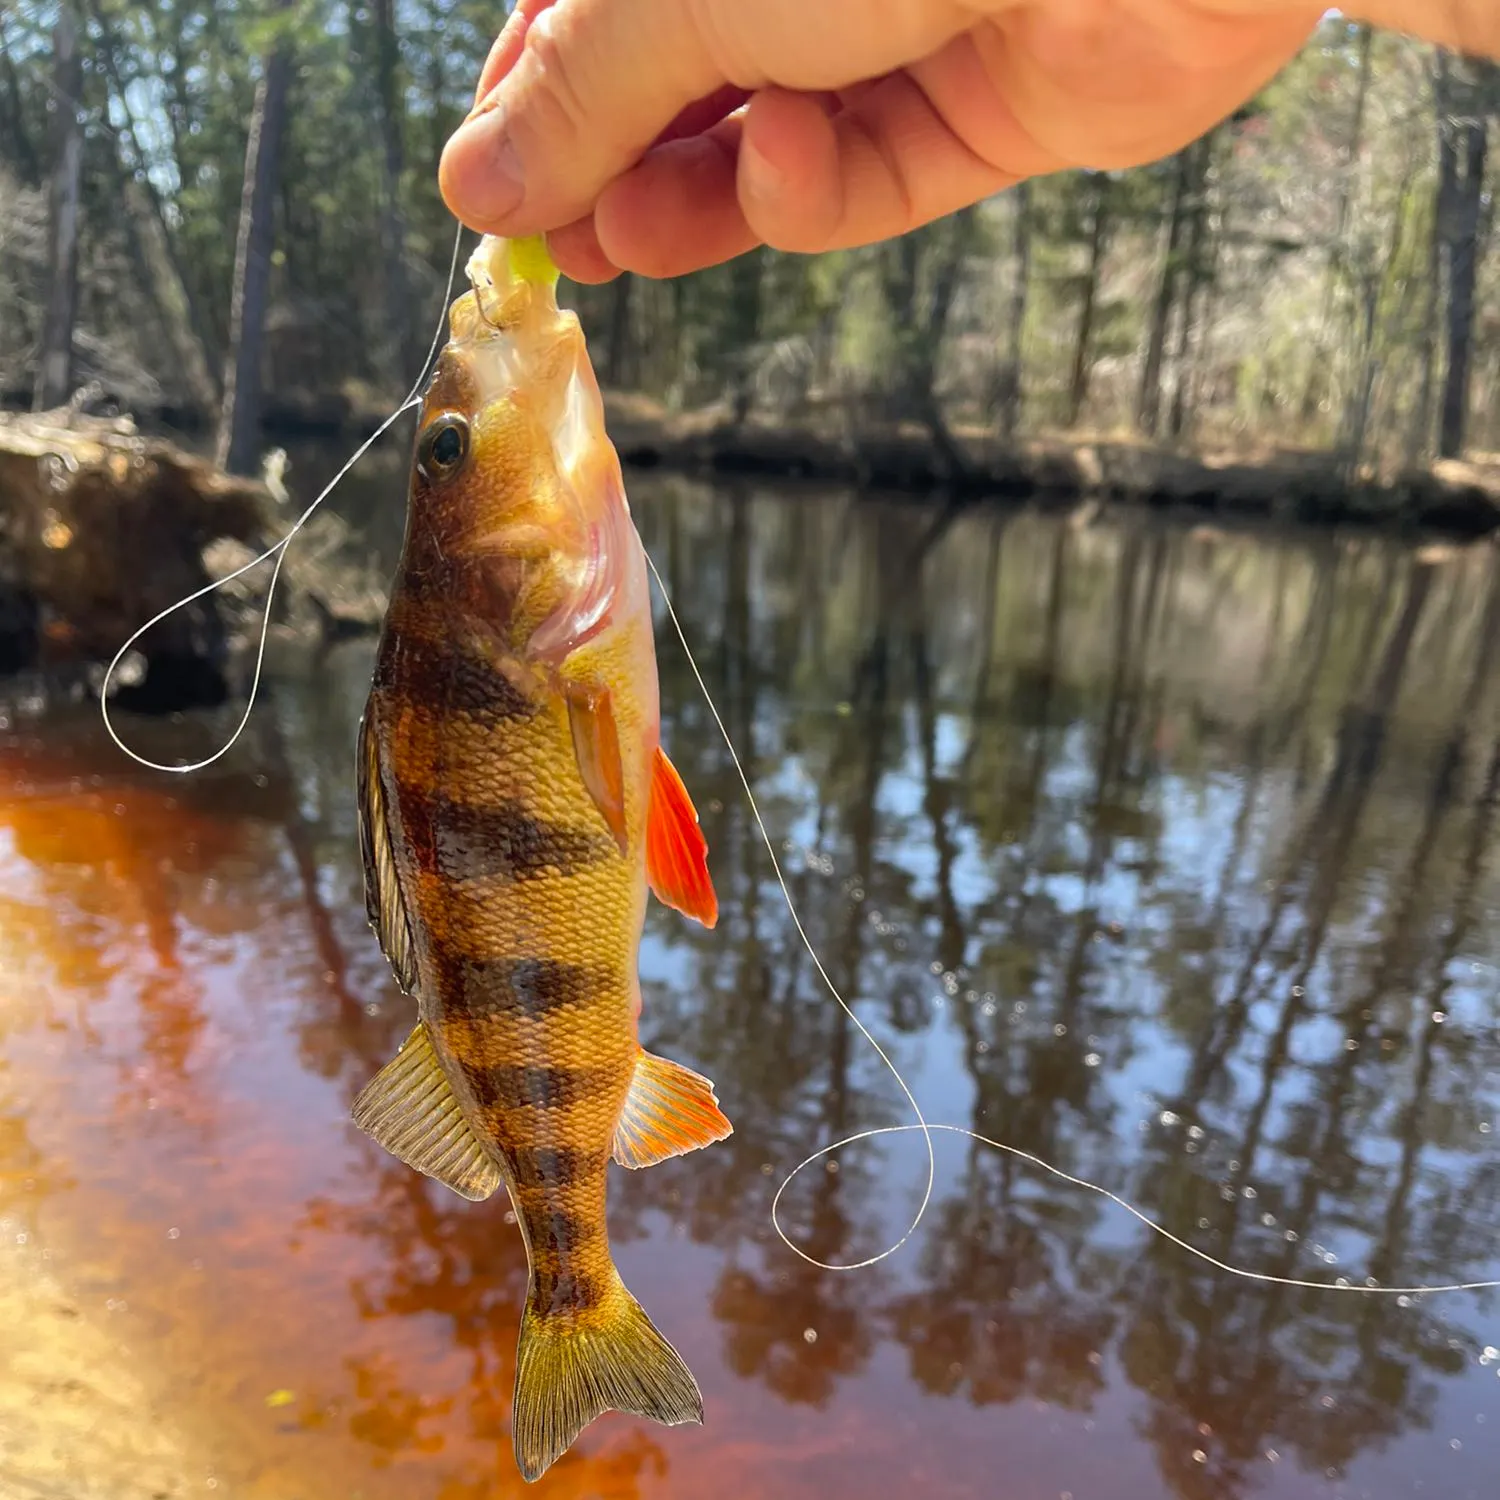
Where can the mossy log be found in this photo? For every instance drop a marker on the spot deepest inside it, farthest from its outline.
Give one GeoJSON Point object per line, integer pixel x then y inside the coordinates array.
{"type": "Point", "coordinates": [102, 527]}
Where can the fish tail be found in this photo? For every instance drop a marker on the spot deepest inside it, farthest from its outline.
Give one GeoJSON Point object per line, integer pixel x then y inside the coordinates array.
{"type": "Point", "coordinates": [571, 1369]}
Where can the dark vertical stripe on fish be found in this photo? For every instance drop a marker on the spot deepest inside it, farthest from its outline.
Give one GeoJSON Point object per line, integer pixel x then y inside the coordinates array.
{"type": "Point", "coordinates": [565, 1289]}
{"type": "Point", "coordinates": [532, 988]}
{"type": "Point", "coordinates": [542, 1167]}
{"type": "Point", "coordinates": [435, 672]}
{"type": "Point", "coordinates": [515, 1086]}
{"type": "Point", "coordinates": [503, 841]}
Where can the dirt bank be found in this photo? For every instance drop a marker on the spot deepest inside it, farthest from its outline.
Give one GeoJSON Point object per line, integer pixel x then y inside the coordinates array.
{"type": "Point", "coordinates": [1461, 499]}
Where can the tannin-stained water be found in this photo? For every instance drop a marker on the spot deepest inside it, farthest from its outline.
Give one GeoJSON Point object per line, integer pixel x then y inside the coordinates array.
{"type": "Point", "coordinates": [1167, 854]}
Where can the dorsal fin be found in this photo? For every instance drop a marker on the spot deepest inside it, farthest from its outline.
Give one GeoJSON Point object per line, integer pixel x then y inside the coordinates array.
{"type": "Point", "coordinates": [383, 903]}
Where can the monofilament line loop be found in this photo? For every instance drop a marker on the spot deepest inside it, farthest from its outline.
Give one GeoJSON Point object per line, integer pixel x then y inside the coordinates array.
{"type": "Point", "coordinates": [926, 1129]}
{"type": "Point", "coordinates": [277, 550]}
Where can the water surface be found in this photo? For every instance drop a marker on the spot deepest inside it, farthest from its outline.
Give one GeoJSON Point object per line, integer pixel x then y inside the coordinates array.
{"type": "Point", "coordinates": [1164, 854]}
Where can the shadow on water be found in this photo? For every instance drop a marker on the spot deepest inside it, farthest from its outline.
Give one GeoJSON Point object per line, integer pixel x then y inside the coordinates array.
{"type": "Point", "coordinates": [1163, 854]}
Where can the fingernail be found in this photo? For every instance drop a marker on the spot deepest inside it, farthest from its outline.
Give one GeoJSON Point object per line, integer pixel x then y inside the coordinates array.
{"type": "Point", "coordinates": [762, 180]}
{"type": "Point", "coordinates": [484, 176]}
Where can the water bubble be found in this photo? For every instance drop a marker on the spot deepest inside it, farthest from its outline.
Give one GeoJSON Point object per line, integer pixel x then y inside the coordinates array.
{"type": "Point", "coordinates": [1059, 1030]}
{"type": "Point", "coordinates": [1273, 1456]}
{"type": "Point", "coordinates": [1091, 1059]}
{"type": "Point", "coordinates": [1166, 1117]}
{"type": "Point", "coordinates": [1329, 1403]}
{"type": "Point", "coordinates": [1351, 1045]}
{"type": "Point", "coordinates": [1195, 1132]}
{"type": "Point", "coordinates": [174, 1234]}
{"type": "Point", "coordinates": [1199, 1456]}
{"type": "Point", "coordinates": [1268, 1220]}
{"type": "Point", "coordinates": [1454, 1444]}
{"type": "Point", "coordinates": [1298, 992]}
{"type": "Point", "coordinates": [988, 1008]}
{"type": "Point", "coordinates": [1292, 1236]}
{"type": "Point", "coordinates": [809, 1335]}
{"type": "Point", "coordinates": [1403, 1300]}
{"type": "Point", "coordinates": [1438, 1017]}
{"type": "Point", "coordinates": [831, 1166]}
{"type": "Point", "coordinates": [981, 1047]}
{"type": "Point", "coordinates": [1484, 1127]}
{"type": "Point", "coordinates": [766, 1169]}
{"type": "Point", "coordinates": [1202, 1223]}
{"type": "Point", "coordinates": [935, 967]}
{"type": "Point", "coordinates": [1248, 1192]}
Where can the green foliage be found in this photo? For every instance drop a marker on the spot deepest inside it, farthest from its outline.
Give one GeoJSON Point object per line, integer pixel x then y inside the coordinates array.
{"type": "Point", "coordinates": [1301, 259]}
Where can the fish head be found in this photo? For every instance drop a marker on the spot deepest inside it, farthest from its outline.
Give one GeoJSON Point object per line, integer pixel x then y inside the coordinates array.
{"type": "Point", "coordinates": [514, 482]}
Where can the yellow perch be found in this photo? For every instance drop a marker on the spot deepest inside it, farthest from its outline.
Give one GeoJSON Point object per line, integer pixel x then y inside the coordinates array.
{"type": "Point", "coordinates": [515, 803]}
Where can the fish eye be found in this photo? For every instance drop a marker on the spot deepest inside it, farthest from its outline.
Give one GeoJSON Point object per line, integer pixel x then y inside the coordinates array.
{"type": "Point", "coordinates": [443, 447]}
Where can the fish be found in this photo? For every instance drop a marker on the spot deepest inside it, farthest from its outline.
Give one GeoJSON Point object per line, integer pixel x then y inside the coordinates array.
{"type": "Point", "coordinates": [515, 807]}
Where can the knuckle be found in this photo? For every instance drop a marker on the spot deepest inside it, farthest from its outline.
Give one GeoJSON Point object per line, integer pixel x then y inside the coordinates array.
{"type": "Point", "coordinates": [555, 99]}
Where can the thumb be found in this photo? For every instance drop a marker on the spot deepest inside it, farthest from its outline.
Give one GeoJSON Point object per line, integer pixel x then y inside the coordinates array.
{"type": "Point", "coordinates": [581, 88]}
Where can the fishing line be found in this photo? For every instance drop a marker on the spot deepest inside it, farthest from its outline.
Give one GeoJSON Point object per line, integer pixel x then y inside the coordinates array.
{"type": "Point", "coordinates": [278, 550]}
{"type": "Point", "coordinates": [927, 1129]}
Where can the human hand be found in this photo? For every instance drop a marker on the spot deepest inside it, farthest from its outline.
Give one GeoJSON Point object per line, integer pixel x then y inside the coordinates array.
{"type": "Point", "coordinates": [661, 136]}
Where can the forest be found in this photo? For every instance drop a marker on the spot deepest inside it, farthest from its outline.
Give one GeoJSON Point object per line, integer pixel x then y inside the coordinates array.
{"type": "Point", "coordinates": [228, 218]}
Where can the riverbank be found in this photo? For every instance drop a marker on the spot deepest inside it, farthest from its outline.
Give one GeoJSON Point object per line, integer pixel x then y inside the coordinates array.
{"type": "Point", "coordinates": [1457, 498]}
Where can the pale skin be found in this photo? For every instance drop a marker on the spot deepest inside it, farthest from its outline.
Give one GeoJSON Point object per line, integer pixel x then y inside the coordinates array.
{"type": "Point", "coordinates": [661, 136]}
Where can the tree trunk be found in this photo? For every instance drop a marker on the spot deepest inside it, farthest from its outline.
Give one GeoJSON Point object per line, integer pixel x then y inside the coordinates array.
{"type": "Point", "coordinates": [1098, 237]}
{"type": "Point", "coordinates": [20, 148]}
{"type": "Point", "coordinates": [617, 349]}
{"type": "Point", "coordinates": [152, 243]}
{"type": "Point", "coordinates": [1148, 403]}
{"type": "Point", "coordinates": [1012, 391]}
{"type": "Point", "coordinates": [404, 351]}
{"type": "Point", "coordinates": [239, 421]}
{"type": "Point", "coordinates": [1196, 278]}
{"type": "Point", "coordinates": [1200, 315]}
{"type": "Point", "coordinates": [1316, 390]}
{"type": "Point", "coordinates": [54, 374]}
{"type": "Point", "coordinates": [1462, 90]}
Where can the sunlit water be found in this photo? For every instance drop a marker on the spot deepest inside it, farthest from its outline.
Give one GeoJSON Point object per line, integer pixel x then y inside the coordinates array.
{"type": "Point", "coordinates": [1166, 855]}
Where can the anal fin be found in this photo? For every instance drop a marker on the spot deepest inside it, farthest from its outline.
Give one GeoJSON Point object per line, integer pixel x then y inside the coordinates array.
{"type": "Point", "coordinates": [676, 851]}
{"type": "Point", "coordinates": [670, 1110]}
{"type": "Point", "coordinates": [409, 1108]}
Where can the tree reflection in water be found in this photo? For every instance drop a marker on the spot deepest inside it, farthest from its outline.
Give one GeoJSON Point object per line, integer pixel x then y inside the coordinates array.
{"type": "Point", "coordinates": [1162, 853]}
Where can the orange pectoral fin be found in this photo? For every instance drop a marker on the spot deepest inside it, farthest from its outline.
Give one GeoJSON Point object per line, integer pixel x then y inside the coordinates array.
{"type": "Point", "coordinates": [676, 851]}
{"type": "Point", "coordinates": [596, 745]}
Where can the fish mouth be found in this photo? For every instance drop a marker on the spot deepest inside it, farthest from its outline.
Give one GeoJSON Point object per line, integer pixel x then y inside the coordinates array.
{"type": "Point", "coordinates": [507, 279]}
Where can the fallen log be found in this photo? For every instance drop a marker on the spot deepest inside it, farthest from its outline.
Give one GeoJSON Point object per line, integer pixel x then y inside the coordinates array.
{"type": "Point", "coordinates": [102, 527]}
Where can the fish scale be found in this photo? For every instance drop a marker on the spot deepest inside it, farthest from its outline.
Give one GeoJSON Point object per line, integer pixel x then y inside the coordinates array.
{"type": "Point", "coordinates": [515, 807]}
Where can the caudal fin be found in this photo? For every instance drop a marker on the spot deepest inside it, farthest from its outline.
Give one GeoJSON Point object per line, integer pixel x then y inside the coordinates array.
{"type": "Point", "coordinates": [573, 1367]}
